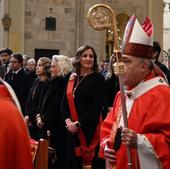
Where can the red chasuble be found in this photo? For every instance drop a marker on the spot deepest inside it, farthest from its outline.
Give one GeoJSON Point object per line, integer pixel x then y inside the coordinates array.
{"type": "Point", "coordinates": [150, 116]}
{"type": "Point", "coordinates": [14, 139]}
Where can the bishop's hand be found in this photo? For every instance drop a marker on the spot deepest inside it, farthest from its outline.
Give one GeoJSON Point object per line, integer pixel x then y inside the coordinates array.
{"type": "Point", "coordinates": [129, 137]}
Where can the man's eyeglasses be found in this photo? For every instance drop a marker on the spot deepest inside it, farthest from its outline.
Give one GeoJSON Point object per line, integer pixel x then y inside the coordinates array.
{"type": "Point", "coordinates": [13, 61]}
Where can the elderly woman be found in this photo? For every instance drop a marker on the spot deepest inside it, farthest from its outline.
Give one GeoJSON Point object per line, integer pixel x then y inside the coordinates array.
{"type": "Point", "coordinates": [50, 113]}
{"type": "Point", "coordinates": [81, 108]}
{"type": "Point", "coordinates": [30, 68]}
{"type": "Point", "coordinates": [31, 65]}
{"type": "Point", "coordinates": [35, 93]}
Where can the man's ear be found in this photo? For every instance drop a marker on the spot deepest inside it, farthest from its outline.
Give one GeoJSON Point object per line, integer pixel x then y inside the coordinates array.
{"type": "Point", "coordinates": [144, 67]}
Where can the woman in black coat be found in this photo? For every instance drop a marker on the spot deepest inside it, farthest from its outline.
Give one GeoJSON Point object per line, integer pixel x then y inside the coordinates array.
{"type": "Point", "coordinates": [50, 113]}
{"type": "Point", "coordinates": [35, 93]}
{"type": "Point", "coordinates": [112, 84]}
{"type": "Point", "coordinates": [85, 90]}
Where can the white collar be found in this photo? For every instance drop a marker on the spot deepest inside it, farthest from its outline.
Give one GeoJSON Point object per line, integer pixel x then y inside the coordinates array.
{"type": "Point", "coordinates": [144, 86]}
{"type": "Point", "coordinates": [17, 70]}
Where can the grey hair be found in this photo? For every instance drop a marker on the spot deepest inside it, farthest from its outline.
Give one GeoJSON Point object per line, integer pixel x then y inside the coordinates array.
{"type": "Point", "coordinates": [64, 63]}
{"type": "Point", "coordinates": [111, 69]}
{"type": "Point", "coordinates": [31, 61]}
{"type": "Point", "coordinates": [148, 62]}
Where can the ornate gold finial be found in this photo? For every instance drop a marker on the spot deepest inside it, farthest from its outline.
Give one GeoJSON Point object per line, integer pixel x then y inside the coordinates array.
{"type": "Point", "coordinates": [100, 17]}
{"type": "Point", "coordinates": [103, 17]}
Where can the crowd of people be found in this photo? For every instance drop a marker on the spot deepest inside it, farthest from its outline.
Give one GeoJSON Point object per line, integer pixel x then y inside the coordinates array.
{"type": "Point", "coordinates": [79, 102]}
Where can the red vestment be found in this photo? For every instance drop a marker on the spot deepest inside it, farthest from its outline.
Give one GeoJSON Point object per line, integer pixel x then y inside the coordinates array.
{"type": "Point", "coordinates": [14, 139]}
{"type": "Point", "coordinates": [150, 116]}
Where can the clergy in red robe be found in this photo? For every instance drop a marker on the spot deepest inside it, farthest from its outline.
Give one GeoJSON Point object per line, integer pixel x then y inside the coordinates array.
{"type": "Point", "coordinates": [14, 139]}
{"type": "Point", "coordinates": [147, 101]}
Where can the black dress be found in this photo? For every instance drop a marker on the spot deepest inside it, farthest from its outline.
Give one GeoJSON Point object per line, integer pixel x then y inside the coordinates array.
{"type": "Point", "coordinates": [32, 107]}
{"type": "Point", "coordinates": [89, 101]}
{"type": "Point", "coordinates": [112, 87]}
{"type": "Point", "coordinates": [50, 112]}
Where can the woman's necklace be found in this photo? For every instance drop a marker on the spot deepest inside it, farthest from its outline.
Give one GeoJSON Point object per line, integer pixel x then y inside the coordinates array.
{"type": "Point", "coordinates": [79, 80]}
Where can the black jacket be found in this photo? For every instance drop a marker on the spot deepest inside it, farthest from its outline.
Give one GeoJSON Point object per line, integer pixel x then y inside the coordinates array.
{"type": "Point", "coordinates": [89, 101]}
{"type": "Point", "coordinates": [33, 100]}
{"type": "Point", "coordinates": [21, 84]}
{"type": "Point", "coordinates": [50, 110]}
{"type": "Point", "coordinates": [112, 87]}
{"type": "Point", "coordinates": [162, 67]}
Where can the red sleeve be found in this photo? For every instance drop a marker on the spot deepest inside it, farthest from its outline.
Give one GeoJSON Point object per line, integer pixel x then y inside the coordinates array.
{"type": "Point", "coordinates": [107, 126]}
{"type": "Point", "coordinates": [156, 126]}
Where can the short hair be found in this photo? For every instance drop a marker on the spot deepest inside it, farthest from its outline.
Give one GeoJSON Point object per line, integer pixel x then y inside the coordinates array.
{"type": "Point", "coordinates": [18, 57]}
{"type": "Point", "coordinates": [111, 68]}
{"type": "Point", "coordinates": [31, 61]}
{"type": "Point", "coordinates": [25, 57]}
{"type": "Point", "coordinates": [79, 53]}
{"type": "Point", "coordinates": [7, 50]}
{"type": "Point", "coordinates": [156, 48]}
{"type": "Point", "coordinates": [149, 63]}
{"type": "Point", "coordinates": [64, 63]}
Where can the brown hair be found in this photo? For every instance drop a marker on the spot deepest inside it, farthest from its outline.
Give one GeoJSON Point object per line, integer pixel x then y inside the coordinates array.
{"type": "Point", "coordinates": [79, 53]}
{"type": "Point", "coordinates": [46, 62]}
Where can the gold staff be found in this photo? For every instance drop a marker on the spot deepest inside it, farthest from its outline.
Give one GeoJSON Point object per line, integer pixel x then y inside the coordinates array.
{"type": "Point", "coordinates": [102, 17]}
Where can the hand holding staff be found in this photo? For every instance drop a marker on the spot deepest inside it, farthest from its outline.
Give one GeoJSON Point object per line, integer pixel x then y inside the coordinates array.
{"type": "Point", "coordinates": [102, 17]}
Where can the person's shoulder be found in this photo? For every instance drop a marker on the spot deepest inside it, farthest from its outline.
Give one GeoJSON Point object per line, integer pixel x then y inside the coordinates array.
{"type": "Point", "coordinates": [9, 113]}
{"type": "Point", "coordinates": [98, 75]}
{"type": "Point", "coordinates": [98, 78]}
{"type": "Point", "coordinates": [27, 73]}
{"type": "Point", "coordinates": [23, 74]}
{"type": "Point", "coordinates": [21, 71]}
{"type": "Point", "coordinates": [168, 74]}
{"type": "Point", "coordinates": [162, 67]}
{"type": "Point", "coordinates": [54, 82]}
{"type": "Point", "coordinates": [161, 91]}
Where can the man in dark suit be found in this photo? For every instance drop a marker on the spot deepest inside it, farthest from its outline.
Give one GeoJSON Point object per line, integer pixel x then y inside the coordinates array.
{"type": "Point", "coordinates": [5, 54]}
{"type": "Point", "coordinates": [19, 79]}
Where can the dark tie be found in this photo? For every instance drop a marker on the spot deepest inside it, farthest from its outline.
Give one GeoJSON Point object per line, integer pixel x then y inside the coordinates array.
{"type": "Point", "coordinates": [14, 76]}
{"type": "Point", "coordinates": [5, 68]}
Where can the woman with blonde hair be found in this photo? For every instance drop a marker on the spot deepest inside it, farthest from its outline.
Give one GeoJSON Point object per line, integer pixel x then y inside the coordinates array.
{"type": "Point", "coordinates": [33, 121]}
{"type": "Point", "coordinates": [50, 113]}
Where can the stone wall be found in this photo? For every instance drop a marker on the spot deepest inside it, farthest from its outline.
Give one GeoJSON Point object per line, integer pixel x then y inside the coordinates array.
{"type": "Point", "coordinates": [72, 28]}
{"type": "Point", "coordinates": [97, 38]}
{"type": "Point", "coordinates": [36, 36]}
{"type": "Point", "coordinates": [28, 32]}
{"type": "Point", "coordinates": [1, 28]}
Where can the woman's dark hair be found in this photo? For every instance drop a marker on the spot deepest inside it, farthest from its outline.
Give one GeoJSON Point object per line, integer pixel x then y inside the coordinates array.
{"type": "Point", "coordinates": [79, 53]}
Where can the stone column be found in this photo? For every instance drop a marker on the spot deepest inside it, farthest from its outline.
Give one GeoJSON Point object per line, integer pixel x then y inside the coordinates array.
{"type": "Point", "coordinates": [17, 30]}
{"type": "Point", "coordinates": [79, 32]}
{"type": "Point", "coordinates": [5, 41]}
{"type": "Point", "coordinates": [155, 11]}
